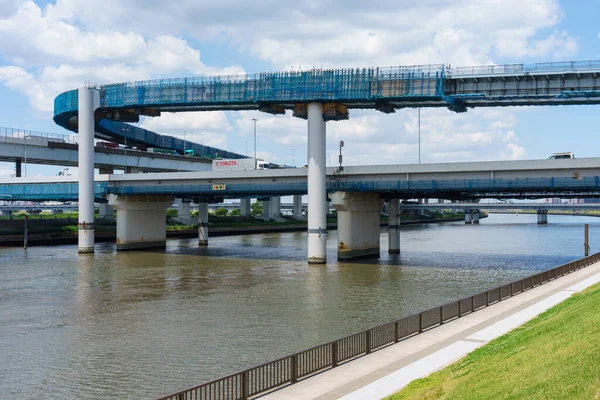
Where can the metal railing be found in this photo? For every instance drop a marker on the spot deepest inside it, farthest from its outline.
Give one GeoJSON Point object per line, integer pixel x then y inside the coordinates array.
{"type": "Point", "coordinates": [24, 134]}
{"type": "Point", "coordinates": [501, 69]}
{"type": "Point", "coordinates": [292, 368]}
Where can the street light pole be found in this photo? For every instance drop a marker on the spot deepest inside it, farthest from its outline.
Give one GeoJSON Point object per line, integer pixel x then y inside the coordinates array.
{"type": "Point", "coordinates": [419, 123]}
{"type": "Point", "coordinates": [254, 120]}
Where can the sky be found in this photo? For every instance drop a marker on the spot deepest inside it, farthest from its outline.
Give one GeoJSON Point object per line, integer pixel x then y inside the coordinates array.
{"type": "Point", "coordinates": [47, 47]}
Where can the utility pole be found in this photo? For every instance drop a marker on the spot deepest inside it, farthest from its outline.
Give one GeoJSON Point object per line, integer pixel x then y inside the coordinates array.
{"type": "Point", "coordinates": [255, 162]}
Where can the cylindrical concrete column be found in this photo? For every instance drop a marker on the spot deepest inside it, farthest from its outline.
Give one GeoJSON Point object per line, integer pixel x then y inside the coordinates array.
{"type": "Point", "coordinates": [202, 223]}
{"type": "Point", "coordinates": [317, 196]}
{"type": "Point", "coordinates": [542, 217]}
{"type": "Point", "coordinates": [394, 226]}
{"type": "Point", "coordinates": [87, 106]}
{"type": "Point", "coordinates": [18, 168]}
{"type": "Point", "coordinates": [297, 207]}
{"type": "Point", "coordinates": [274, 206]}
{"type": "Point", "coordinates": [468, 217]}
{"type": "Point", "coordinates": [476, 217]}
{"type": "Point", "coordinates": [245, 207]}
{"type": "Point", "coordinates": [266, 204]}
{"type": "Point", "coordinates": [105, 211]}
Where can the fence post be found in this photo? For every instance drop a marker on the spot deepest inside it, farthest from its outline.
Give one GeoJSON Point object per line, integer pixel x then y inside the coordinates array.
{"type": "Point", "coordinates": [368, 341]}
{"type": "Point", "coordinates": [245, 385]}
{"type": "Point", "coordinates": [420, 322]}
{"type": "Point", "coordinates": [25, 233]}
{"type": "Point", "coordinates": [295, 368]}
{"type": "Point", "coordinates": [334, 354]}
{"type": "Point", "coordinates": [396, 331]}
{"type": "Point", "coordinates": [472, 303]}
{"type": "Point", "coordinates": [441, 315]}
{"type": "Point", "coordinates": [459, 308]}
{"type": "Point", "coordinates": [487, 298]}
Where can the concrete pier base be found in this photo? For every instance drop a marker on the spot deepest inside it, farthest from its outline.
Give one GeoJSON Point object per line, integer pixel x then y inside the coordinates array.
{"type": "Point", "coordinates": [5, 213]}
{"type": "Point", "coordinates": [468, 217]}
{"type": "Point", "coordinates": [274, 209]}
{"type": "Point", "coordinates": [203, 223]}
{"type": "Point", "coordinates": [245, 207]}
{"type": "Point", "coordinates": [184, 212]}
{"type": "Point", "coordinates": [358, 224]}
{"type": "Point", "coordinates": [394, 227]}
{"type": "Point", "coordinates": [297, 207]}
{"type": "Point", "coordinates": [141, 220]}
{"type": "Point", "coordinates": [542, 217]}
{"type": "Point", "coordinates": [266, 205]}
{"type": "Point", "coordinates": [475, 216]}
{"type": "Point", "coordinates": [106, 211]}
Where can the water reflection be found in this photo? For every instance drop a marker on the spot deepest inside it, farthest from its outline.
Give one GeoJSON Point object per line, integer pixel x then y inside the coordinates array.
{"type": "Point", "coordinates": [138, 324]}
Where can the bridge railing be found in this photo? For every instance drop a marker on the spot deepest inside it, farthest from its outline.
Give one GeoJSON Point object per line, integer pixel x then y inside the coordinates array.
{"type": "Point", "coordinates": [24, 134]}
{"type": "Point", "coordinates": [294, 367]}
{"type": "Point", "coordinates": [505, 69]}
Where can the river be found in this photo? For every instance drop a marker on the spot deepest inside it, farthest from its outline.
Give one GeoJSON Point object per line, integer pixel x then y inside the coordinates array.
{"type": "Point", "coordinates": [145, 323]}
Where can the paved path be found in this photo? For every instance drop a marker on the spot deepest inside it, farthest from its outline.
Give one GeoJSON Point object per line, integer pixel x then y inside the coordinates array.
{"type": "Point", "coordinates": [386, 371]}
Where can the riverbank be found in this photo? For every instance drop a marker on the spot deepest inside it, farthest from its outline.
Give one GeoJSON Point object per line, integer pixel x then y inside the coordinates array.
{"type": "Point", "coordinates": [554, 356]}
{"type": "Point", "coordinates": [386, 371]}
{"type": "Point", "coordinates": [57, 231]}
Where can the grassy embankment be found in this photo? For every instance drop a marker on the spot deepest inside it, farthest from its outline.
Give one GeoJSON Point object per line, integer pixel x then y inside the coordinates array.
{"type": "Point", "coordinates": [554, 356]}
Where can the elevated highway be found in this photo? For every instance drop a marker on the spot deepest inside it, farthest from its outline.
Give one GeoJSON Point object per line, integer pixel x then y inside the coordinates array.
{"type": "Point", "coordinates": [501, 179]}
{"type": "Point", "coordinates": [321, 96]}
{"type": "Point", "coordinates": [63, 151]}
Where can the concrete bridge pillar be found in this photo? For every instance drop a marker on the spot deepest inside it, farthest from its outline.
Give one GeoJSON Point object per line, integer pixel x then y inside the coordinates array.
{"type": "Point", "coordinates": [266, 205]}
{"type": "Point", "coordinates": [542, 217]}
{"type": "Point", "coordinates": [202, 223]}
{"type": "Point", "coordinates": [394, 226]}
{"type": "Point", "coordinates": [317, 194]}
{"type": "Point", "coordinates": [184, 212]}
{"type": "Point", "coordinates": [18, 168]}
{"type": "Point", "coordinates": [105, 211]}
{"type": "Point", "coordinates": [297, 208]}
{"type": "Point", "coordinates": [468, 217]}
{"type": "Point", "coordinates": [274, 206]}
{"type": "Point", "coordinates": [6, 213]}
{"type": "Point", "coordinates": [88, 100]}
{"type": "Point", "coordinates": [245, 207]}
{"type": "Point", "coordinates": [475, 216]}
{"type": "Point", "coordinates": [141, 220]}
{"type": "Point", "coordinates": [358, 224]}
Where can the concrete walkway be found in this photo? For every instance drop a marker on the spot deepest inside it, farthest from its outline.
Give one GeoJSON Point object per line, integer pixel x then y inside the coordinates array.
{"type": "Point", "coordinates": [386, 371]}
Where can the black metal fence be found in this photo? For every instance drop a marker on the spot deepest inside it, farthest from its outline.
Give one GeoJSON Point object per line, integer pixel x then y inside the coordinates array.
{"type": "Point", "coordinates": [290, 369]}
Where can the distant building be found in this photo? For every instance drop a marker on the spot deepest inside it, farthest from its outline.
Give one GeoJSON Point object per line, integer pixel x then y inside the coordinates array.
{"type": "Point", "coordinates": [591, 200]}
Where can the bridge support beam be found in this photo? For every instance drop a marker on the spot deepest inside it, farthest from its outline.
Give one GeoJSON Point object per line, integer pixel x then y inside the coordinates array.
{"type": "Point", "coordinates": [475, 216]}
{"type": "Point", "coordinates": [141, 220]}
{"type": "Point", "coordinates": [89, 100]}
{"type": "Point", "coordinates": [245, 207]}
{"type": "Point", "coordinates": [542, 217]}
{"type": "Point", "coordinates": [394, 226]}
{"type": "Point", "coordinates": [317, 194]}
{"type": "Point", "coordinates": [105, 211]}
{"type": "Point", "coordinates": [297, 207]}
{"type": "Point", "coordinates": [274, 207]}
{"type": "Point", "coordinates": [184, 212]}
{"type": "Point", "coordinates": [266, 205]}
{"type": "Point", "coordinates": [358, 224]}
{"type": "Point", "coordinates": [468, 217]}
{"type": "Point", "coordinates": [202, 223]}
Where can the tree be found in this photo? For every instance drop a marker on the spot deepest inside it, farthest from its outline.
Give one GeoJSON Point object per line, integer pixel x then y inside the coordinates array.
{"type": "Point", "coordinates": [256, 208]}
{"type": "Point", "coordinates": [221, 212]}
{"type": "Point", "coordinates": [235, 212]}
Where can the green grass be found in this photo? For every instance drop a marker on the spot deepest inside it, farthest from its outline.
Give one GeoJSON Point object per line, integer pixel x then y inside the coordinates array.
{"type": "Point", "coordinates": [554, 356]}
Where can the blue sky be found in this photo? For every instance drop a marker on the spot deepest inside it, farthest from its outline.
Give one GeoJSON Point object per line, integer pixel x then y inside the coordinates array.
{"type": "Point", "coordinates": [49, 47]}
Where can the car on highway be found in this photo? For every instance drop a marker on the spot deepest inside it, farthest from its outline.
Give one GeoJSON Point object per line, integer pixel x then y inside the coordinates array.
{"type": "Point", "coordinates": [560, 156]}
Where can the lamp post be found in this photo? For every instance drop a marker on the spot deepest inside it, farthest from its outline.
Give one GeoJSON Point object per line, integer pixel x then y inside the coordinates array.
{"type": "Point", "coordinates": [419, 123]}
{"type": "Point", "coordinates": [254, 121]}
{"type": "Point", "coordinates": [341, 145]}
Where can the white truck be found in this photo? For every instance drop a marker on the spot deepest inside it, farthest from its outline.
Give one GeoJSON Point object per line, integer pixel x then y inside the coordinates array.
{"type": "Point", "coordinates": [241, 164]}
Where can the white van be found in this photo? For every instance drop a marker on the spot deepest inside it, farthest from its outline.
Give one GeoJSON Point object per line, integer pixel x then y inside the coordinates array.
{"type": "Point", "coordinates": [560, 156]}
